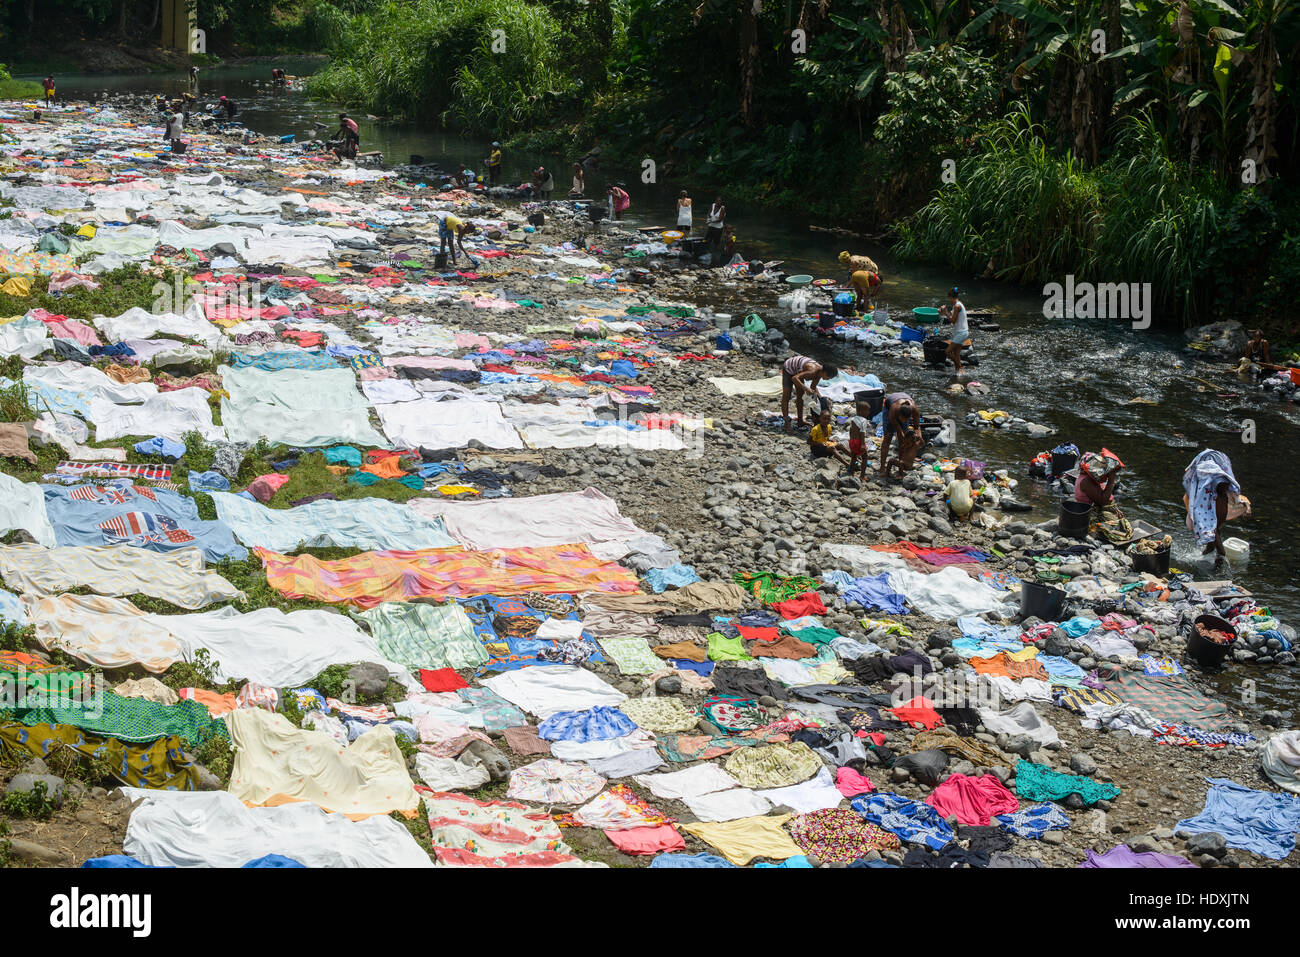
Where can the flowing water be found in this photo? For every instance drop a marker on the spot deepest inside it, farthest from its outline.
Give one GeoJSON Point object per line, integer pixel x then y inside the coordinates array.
{"type": "Point", "coordinates": [1098, 383]}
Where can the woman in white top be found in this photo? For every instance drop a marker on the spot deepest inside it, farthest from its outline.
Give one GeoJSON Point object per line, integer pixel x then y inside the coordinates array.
{"type": "Point", "coordinates": [685, 216]}
{"type": "Point", "coordinates": [717, 219]}
{"type": "Point", "coordinates": [579, 181]}
{"type": "Point", "coordinates": [956, 314]}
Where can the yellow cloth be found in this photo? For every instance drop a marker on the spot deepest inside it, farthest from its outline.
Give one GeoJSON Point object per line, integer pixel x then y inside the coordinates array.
{"type": "Point", "coordinates": [988, 415]}
{"type": "Point", "coordinates": [87, 230]}
{"type": "Point", "coordinates": [746, 838]}
{"type": "Point", "coordinates": [274, 760]}
{"type": "Point", "coordinates": [17, 286]}
{"type": "Point", "coordinates": [456, 489]}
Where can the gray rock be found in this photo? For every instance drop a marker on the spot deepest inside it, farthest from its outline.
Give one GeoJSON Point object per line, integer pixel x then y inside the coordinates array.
{"type": "Point", "coordinates": [669, 684]}
{"type": "Point", "coordinates": [369, 680]}
{"type": "Point", "coordinates": [31, 851]}
{"type": "Point", "coordinates": [1212, 843]}
{"type": "Point", "coordinates": [496, 764]}
{"type": "Point", "coordinates": [1083, 764]}
{"type": "Point", "coordinates": [26, 783]}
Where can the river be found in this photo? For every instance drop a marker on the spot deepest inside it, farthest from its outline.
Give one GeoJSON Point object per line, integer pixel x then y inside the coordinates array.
{"type": "Point", "coordinates": [1098, 383]}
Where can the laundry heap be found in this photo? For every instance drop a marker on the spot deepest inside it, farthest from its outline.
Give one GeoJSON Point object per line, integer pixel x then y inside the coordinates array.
{"type": "Point", "coordinates": [391, 563]}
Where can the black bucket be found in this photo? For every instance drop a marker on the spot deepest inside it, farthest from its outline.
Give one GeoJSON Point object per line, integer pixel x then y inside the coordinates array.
{"type": "Point", "coordinates": [440, 261]}
{"type": "Point", "coordinates": [1153, 563]}
{"type": "Point", "coordinates": [845, 310]}
{"type": "Point", "coordinates": [1041, 601]}
{"type": "Point", "coordinates": [1073, 522]}
{"type": "Point", "coordinates": [595, 213]}
{"type": "Point", "coordinates": [874, 399]}
{"type": "Point", "coordinates": [417, 159]}
{"type": "Point", "coordinates": [537, 219]}
{"type": "Point", "coordinates": [935, 350]}
{"type": "Point", "coordinates": [1062, 462]}
{"type": "Point", "coordinates": [1209, 653]}
{"type": "Point", "coordinates": [825, 320]}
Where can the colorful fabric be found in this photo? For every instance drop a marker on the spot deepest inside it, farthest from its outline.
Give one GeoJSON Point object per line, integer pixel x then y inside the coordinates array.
{"type": "Point", "coordinates": [135, 720]}
{"type": "Point", "coordinates": [1038, 782]}
{"type": "Point", "coordinates": [1076, 699]}
{"type": "Point", "coordinates": [422, 636]}
{"type": "Point", "coordinates": [595, 724]}
{"type": "Point", "coordinates": [470, 833]}
{"type": "Point", "coordinates": [733, 713]}
{"type": "Point", "coordinates": [806, 603]}
{"type": "Point", "coordinates": [773, 766]}
{"type": "Point", "coordinates": [975, 800]}
{"type": "Point", "coordinates": [722, 648]}
{"type": "Point", "coordinates": [746, 838]}
{"type": "Point", "coordinates": [549, 781]}
{"type": "Point", "coordinates": [685, 748]}
{"type": "Point", "coordinates": [839, 836]}
{"type": "Point", "coordinates": [910, 820]}
{"type": "Point", "coordinates": [660, 714]}
{"type": "Point", "coordinates": [161, 764]}
{"type": "Point", "coordinates": [1164, 666]}
{"type": "Point", "coordinates": [371, 578]}
{"type": "Point", "coordinates": [1187, 736]}
{"type": "Point", "coordinates": [1261, 822]}
{"type": "Point", "coordinates": [632, 655]}
{"type": "Point", "coordinates": [945, 739]}
{"type": "Point", "coordinates": [498, 713]}
{"type": "Point", "coordinates": [917, 711]}
{"type": "Point", "coordinates": [1170, 699]}
{"type": "Point", "coordinates": [1034, 820]}
{"type": "Point", "coordinates": [769, 587]}
{"type": "Point", "coordinates": [620, 809]}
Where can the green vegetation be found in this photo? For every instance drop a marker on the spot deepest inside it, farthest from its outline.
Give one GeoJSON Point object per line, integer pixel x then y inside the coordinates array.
{"type": "Point", "coordinates": [37, 803]}
{"type": "Point", "coordinates": [11, 89]}
{"type": "Point", "coordinates": [15, 404]}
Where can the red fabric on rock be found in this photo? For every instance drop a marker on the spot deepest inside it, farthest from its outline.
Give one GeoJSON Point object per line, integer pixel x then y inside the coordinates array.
{"type": "Point", "coordinates": [809, 603]}
{"type": "Point", "coordinates": [443, 679]}
{"type": "Point", "coordinates": [647, 840]}
{"type": "Point", "coordinates": [973, 800]}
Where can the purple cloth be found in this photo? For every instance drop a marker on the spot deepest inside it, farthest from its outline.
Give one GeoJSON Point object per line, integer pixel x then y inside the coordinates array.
{"type": "Point", "coordinates": [1124, 856]}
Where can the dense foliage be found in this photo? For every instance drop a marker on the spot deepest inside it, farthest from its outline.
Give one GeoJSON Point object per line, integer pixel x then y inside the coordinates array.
{"type": "Point", "coordinates": [1106, 137]}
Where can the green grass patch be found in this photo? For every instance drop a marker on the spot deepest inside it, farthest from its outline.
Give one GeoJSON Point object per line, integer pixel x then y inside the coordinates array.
{"type": "Point", "coordinates": [21, 90]}
{"type": "Point", "coordinates": [16, 404]}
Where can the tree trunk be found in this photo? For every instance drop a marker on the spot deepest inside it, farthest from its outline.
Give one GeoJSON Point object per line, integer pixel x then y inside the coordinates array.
{"type": "Point", "coordinates": [153, 21]}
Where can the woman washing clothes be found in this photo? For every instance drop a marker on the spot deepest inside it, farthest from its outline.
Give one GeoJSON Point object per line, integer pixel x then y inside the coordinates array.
{"type": "Point", "coordinates": [902, 418]}
{"type": "Point", "coordinates": [800, 375]}
{"type": "Point", "coordinates": [1212, 497]}
{"type": "Point", "coordinates": [1095, 486]}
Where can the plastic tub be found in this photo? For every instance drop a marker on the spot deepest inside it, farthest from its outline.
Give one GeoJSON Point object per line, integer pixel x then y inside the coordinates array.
{"type": "Point", "coordinates": [1236, 550]}
{"type": "Point", "coordinates": [722, 320]}
{"type": "Point", "coordinates": [1041, 601]}
{"type": "Point", "coordinates": [798, 280]}
{"type": "Point", "coordinates": [926, 314]}
{"type": "Point", "coordinates": [1204, 651]}
{"type": "Point", "coordinates": [909, 334]}
{"type": "Point", "coordinates": [874, 398]}
{"type": "Point", "coordinates": [1153, 563]}
{"type": "Point", "coordinates": [1073, 521]}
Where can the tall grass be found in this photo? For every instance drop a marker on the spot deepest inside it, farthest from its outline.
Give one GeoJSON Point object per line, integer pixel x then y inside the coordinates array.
{"type": "Point", "coordinates": [1138, 217]}
{"type": "Point", "coordinates": [479, 65]}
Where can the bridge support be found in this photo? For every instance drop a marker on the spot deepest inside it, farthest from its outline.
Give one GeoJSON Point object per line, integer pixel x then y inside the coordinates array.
{"type": "Point", "coordinates": [180, 20]}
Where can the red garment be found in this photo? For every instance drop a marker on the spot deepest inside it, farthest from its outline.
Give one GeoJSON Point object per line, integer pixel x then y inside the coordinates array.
{"type": "Point", "coordinates": [917, 711]}
{"type": "Point", "coordinates": [849, 782]}
{"type": "Point", "coordinates": [647, 840]}
{"type": "Point", "coordinates": [264, 487]}
{"type": "Point", "coordinates": [809, 603]}
{"type": "Point", "coordinates": [973, 800]}
{"type": "Point", "coordinates": [444, 679]}
{"type": "Point", "coordinates": [758, 634]}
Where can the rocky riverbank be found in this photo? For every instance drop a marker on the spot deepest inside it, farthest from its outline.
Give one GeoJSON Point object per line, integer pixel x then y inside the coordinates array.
{"type": "Point", "coordinates": [736, 496]}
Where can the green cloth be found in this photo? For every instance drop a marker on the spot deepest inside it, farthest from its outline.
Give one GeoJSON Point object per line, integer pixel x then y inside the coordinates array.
{"type": "Point", "coordinates": [1038, 782]}
{"type": "Point", "coordinates": [632, 654]}
{"type": "Point", "coordinates": [816, 635]}
{"type": "Point", "coordinates": [722, 648]}
{"type": "Point", "coordinates": [135, 720]}
{"type": "Point", "coordinates": [769, 587]}
{"type": "Point", "coordinates": [160, 764]}
{"type": "Point", "coordinates": [419, 635]}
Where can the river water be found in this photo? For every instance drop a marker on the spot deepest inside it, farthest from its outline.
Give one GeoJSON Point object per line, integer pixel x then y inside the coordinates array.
{"type": "Point", "coordinates": [1097, 382]}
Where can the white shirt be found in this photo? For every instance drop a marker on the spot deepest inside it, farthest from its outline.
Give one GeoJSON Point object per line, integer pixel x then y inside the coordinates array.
{"type": "Point", "coordinates": [960, 329]}
{"type": "Point", "coordinates": [717, 215]}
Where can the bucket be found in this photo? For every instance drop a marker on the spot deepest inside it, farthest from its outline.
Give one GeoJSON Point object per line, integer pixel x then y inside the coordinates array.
{"type": "Point", "coordinates": [826, 320]}
{"type": "Point", "coordinates": [1041, 601]}
{"type": "Point", "coordinates": [874, 398]}
{"type": "Point", "coordinates": [1204, 651]}
{"type": "Point", "coordinates": [798, 280]}
{"type": "Point", "coordinates": [1236, 550]}
{"type": "Point", "coordinates": [1295, 376]}
{"type": "Point", "coordinates": [1153, 563]}
{"type": "Point", "coordinates": [1062, 462]}
{"type": "Point", "coordinates": [926, 314]}
{"type": "Point", "coordinates": [1073, 522]}
{"type": "Point", "coordinates": [909, 334]}
{"type": "Point", "coordinates": [722, 320]}
{"type": "Point", "coordinates": [936, 351]}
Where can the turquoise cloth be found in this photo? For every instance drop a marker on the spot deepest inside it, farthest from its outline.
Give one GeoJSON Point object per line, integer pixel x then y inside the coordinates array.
{"type": "Point", "coordinates": [1038, 782]}
{"type": "Point", "coordinates": [343, 455]}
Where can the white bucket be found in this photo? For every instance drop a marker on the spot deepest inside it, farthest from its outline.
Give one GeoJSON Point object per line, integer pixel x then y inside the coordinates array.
{"type": "Point", "coordinates": [1236, 550]}
{"type": "Point", "coordinates": [722, 320]}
